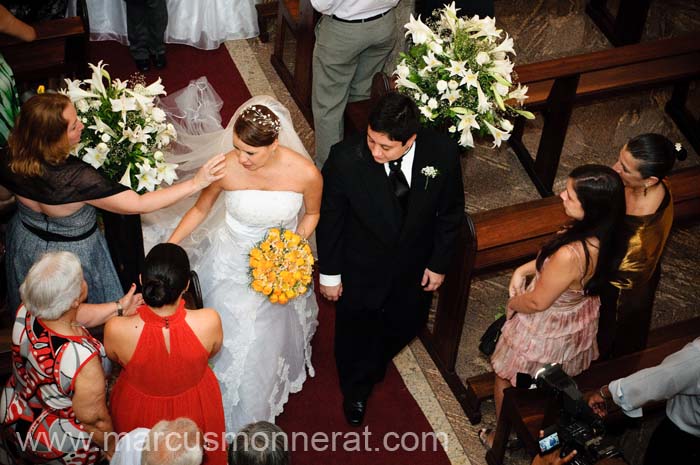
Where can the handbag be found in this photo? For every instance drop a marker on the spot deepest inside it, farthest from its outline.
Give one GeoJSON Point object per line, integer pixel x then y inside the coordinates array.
{"type": "Point", "coordinates": [487, 343]}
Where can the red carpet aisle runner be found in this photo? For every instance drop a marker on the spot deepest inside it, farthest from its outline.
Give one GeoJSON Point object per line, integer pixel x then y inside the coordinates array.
{"type": "Point", "coordinates": [396, 431]}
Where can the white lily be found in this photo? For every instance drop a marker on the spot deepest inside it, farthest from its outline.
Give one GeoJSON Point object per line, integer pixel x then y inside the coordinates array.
{"type": "Point", "coordinates": [123, 104]}
{"type": "Point", "coordinates": [485, 27]}
{"type": "Point", "coordinates": [144, 102]}
{"type": "Point", "coordinates": [453, 84]}
{"type": "Point", "coordinates": [452, 129]}
{"type": "Point", "coordinates": [166, 172]}
{"type": "Point", "coordinates": [467, 121]}
{"type": "Point", "coordinates": [452, 96]}
{"type": "Point", "coordinates": [420, 33]}
{"type": "Point", "coordinates": [154, 89]}
{"type": "Point", "coordinates": [457, 68]}
{"type": "Point", "coordinates": [136, 135]}
{"type": "Point", "coordinates": [470, 79]}
{"type": "Point", "coordinates": [94, 157]}
{"type": "Point", "coordinates": [147, 177]}
{"type": "Point", "coordinates": [102, 148]}
{"type": "Point", "coordinates": [506, 125]}
{"type": "Point", "coordinates": [442, 86]}
{"type": "Point", "coordinates": [98, 72]}
{"type": "Point", "coordinates": [498, 134]}
{"type": "Point", "coordinates": [436, 47]}
{"type": "Point", "coordinates": [506, 46]}
{"type": "Point", "coordinates": [450, 15]}
{"type": "Point", "coordinates": [431, 61]}
{"type": "Point", "coordinates": [75, 92]}
{"type": "Point", "coordinates": [502, 67]}
{"type": "Point", "coordinates": [466, 139]}
{"type": "Point", "coordinates": [519, 94]}
{"type": "Point", "coordinates": [101, 126]}
{"type": "Point", "coordinates": [126, 178]}
{"type": "Point", "coordinates": [484, 105]}
{"type": "Point", "coordinates": [403, 82]}
{"type": "Point", "coordinates": [433, 104]}
{"type": "Point", "coordinates": [500, 89]}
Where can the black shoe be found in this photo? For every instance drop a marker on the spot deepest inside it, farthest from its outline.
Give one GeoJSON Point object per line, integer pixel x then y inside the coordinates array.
{"type": "Point", "coordinates": [159, 61]}
{"type": "Point", "coordinates": [143, 65]}
{"type": "Point", "coordinates": [354, 411]}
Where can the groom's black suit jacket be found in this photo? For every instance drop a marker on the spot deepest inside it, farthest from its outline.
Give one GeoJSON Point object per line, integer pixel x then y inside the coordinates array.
{"type": "Point", "coordinates": [363, 235]}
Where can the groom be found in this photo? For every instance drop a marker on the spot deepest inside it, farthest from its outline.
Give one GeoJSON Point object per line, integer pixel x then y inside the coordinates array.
{"type": "Point", "coordinates": [393, 203]}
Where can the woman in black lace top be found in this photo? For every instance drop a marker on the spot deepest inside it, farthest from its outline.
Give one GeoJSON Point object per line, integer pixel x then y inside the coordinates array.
{"type": "Point", "coordinates": [56, 198]}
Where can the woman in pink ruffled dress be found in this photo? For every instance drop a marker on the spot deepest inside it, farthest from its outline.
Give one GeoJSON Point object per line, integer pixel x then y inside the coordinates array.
{"type": "Point", "coordinates": [554, 318]}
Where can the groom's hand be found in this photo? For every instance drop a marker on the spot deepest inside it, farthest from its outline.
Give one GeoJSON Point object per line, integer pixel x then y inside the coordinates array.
{"type": "Point", "coordinates": [332, 293]}
{"type": "Point", "coordinates": [431, 281]}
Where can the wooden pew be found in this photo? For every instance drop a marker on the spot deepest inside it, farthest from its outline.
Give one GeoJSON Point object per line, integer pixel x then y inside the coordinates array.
{"type": "Point", "coordinates": [626, 27]}
{"type": "Point", "coordinates": [555, 86]}
{"type": "Point", "coordinates": [524, 410]}
{"type": "Point", "coordinates": [295, 27]}
{"type": "Point", "coordinates": [59, 49]}
{"type": "Point", "coordinates": [500, 238]}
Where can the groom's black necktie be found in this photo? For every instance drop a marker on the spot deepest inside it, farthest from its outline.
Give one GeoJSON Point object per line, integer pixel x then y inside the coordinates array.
{"type": "Point", "coordinates": [399, 183]}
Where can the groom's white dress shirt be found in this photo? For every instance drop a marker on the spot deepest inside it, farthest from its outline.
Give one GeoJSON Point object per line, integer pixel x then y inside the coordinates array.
{"type": "Point", "coordinates": [407, 169]}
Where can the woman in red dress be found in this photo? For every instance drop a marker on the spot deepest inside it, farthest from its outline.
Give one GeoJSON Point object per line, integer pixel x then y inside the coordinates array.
{"type": "Point", "coordinates": [164, 352]}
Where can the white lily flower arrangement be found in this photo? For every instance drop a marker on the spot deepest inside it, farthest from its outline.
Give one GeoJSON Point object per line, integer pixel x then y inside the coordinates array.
{"type": "Point", "coordinates": [459, 73]}
{"type": "Point", "coordinates": [125, 133]}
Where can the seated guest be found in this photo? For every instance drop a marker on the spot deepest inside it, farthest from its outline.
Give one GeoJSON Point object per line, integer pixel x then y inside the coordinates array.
{"type": "Point", "coordinates": [57, 195]}
{"type": "Point", "coordinates": [626, 302]}
{"type": "Point", "coordinates": [676, 379]}
{"type": "Point", "coordinates": [164, 352]}
{"type": "Point", "coordinates": [65, 416]}
{"type": "Point", "coordinates": [152, 447]}
{"type": "Point", "coordinates": [260, 443]}
{"type": "Point", "coordinates": [555, 317]}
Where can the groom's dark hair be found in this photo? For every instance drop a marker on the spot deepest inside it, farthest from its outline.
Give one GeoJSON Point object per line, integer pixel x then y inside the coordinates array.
{"type": "Point", "coordinates": [395, 115]}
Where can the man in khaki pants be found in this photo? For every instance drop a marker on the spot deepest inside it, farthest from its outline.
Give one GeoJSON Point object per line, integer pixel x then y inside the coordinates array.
{"type": "Point", "coordinates": [353, 41]}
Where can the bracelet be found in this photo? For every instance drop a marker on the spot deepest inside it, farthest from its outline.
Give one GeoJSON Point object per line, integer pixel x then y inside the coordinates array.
{"type": "Point", "coordinates": [120, 309]}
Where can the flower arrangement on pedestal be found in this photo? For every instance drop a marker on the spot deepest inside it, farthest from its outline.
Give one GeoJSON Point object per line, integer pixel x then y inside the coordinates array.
{"type": "Point", "coordinates": [458, 71]}
{"type": "Point", "coordinates": [280, 266]}
{"type": "Point", "coordinates": [125, 133]}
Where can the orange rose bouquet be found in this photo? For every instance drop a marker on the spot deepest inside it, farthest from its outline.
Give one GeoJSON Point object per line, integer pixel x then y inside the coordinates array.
{"type": "Point", "coordinates": [281, 265]}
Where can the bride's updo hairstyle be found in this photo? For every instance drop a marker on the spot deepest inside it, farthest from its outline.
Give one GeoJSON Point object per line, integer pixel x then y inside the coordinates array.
{"type": "Point", "coordinates": [257, 126]}
{"type": "Point", "coordinates": [166, 274]}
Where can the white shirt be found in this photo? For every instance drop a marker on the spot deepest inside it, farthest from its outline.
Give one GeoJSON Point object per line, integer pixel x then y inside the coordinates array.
{"type": "Point", "coordinates": [677, 378]}
{"type": "Point", "coordinates": [353, 9]}
{"type": "Point", "coordinates": [407, 170]}
{"type": "Point", "coordinates": [130, 447]}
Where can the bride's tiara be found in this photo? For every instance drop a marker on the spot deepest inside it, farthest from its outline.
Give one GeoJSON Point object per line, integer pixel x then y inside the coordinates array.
{"type": "Point", "coordinates": [263, 119]}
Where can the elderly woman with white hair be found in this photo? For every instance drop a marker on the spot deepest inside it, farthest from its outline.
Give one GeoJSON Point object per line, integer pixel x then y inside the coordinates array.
{"type": "Point", "coordinates": [53, 407]}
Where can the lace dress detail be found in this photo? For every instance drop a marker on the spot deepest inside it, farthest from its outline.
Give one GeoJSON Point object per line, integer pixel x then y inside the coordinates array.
{"type": "Point", "coordinates": [565, 333]}
{"type": "Point", "coordinates": [267, 347]}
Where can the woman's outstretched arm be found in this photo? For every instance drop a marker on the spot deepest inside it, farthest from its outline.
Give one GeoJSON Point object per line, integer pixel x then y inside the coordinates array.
{"type": "Point", "coordinates": [129, 202]}
{"type": "Point", "coordinates": [195, 215]}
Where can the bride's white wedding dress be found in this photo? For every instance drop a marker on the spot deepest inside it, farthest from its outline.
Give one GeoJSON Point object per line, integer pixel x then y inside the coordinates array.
{"type": "Point", "coordinates": [267, 347]}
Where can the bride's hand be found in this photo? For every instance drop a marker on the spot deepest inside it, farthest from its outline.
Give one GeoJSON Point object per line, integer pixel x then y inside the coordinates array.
{"type": "Point", "coordinates": [211, 171]}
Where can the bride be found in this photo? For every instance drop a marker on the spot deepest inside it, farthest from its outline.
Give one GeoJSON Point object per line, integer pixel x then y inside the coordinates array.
{"type": "Point", "coordinates": [267, 347]}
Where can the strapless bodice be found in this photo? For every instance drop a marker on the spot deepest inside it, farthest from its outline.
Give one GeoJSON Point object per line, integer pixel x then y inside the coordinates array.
{"type": "Point", "coordinates": [250, 213]}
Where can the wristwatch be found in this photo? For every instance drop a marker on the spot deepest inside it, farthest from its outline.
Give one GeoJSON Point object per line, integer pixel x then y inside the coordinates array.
{"type": "Point", "coordinates": [120, 309]}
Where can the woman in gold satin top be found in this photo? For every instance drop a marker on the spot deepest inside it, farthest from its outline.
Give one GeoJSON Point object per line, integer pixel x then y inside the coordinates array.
{"type": "Point", "coordinates": [626, 304]}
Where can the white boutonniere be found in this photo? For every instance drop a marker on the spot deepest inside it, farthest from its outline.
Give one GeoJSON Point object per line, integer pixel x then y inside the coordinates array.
{"type": "Point", "coordinates": [430, 172]}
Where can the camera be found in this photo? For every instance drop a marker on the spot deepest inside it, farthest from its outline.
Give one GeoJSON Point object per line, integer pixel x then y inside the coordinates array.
{"type": "Point", "coordinates": [579, 428]}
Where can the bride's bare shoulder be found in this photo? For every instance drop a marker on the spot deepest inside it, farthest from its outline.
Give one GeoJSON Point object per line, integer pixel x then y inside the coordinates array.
{"type": "Point", "coordinates": [299, 163]}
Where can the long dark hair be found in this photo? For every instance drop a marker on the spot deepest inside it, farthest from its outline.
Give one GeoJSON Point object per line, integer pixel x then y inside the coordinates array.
{"type": "Point", "coordinates": [602, 196]}
{"type": "Point", "coordinates": [655, 154]}
{"type": "Point", "coordinates": [165, 275]}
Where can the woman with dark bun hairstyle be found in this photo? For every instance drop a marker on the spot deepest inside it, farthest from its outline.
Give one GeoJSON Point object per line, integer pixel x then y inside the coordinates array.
{"type": "Point", "coordinates": [626, 303]}
{"type": "Point", "coordinates": [164, 352]}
